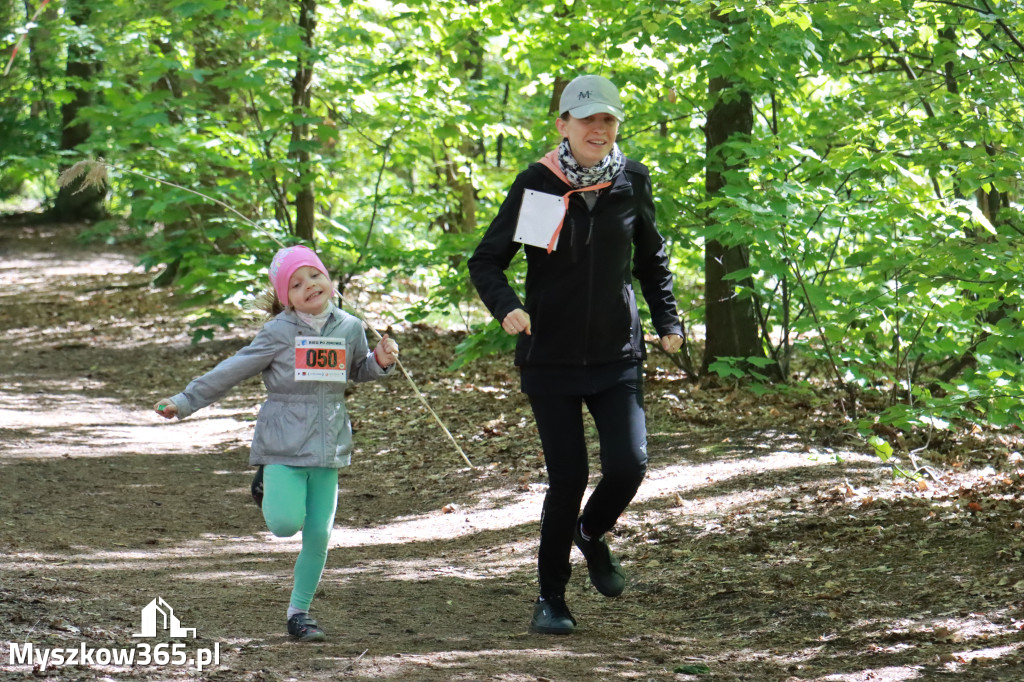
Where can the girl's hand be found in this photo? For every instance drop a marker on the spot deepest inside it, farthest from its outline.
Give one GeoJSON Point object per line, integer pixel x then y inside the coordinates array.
{"type": "Point", "coordinates": [166, 409]}
{"type": "Point", "coordinates": [517, 322]}
{"type": "Point", "coordinates": [386, 352]}
{"type": "Point", "coordinates": [672, 343]}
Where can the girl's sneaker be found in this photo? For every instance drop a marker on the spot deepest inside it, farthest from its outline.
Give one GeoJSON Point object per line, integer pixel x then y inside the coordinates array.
{"type": "Point", "coordinates": [257, 487]}
{"type": "Point", "coordinates": [303, 628]}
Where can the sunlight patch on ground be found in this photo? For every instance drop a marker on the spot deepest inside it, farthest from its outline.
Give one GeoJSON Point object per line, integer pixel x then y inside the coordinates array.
{"type": "Point", "coordinates": [488, 514]}
{"type": "Point", "coordinates": [88, 427]}
{"type": "Point", "coordinates": [989, 654]}
{"type": "Point", "coordinates": [439, 526]}
{"type": "Point", "coordinates": [665, 481]}
{"type": "Point", "coordinates": [48, 266]}
{"type": "Point", "coordinates": [978, 628]}
{"type": "Point", "coordinates": [121, 333]}
{"type": "Point", "coordinates": [405, 666]}
{"type": "Point", "coordinates": [525, 508]}
{"type": "Point", "coordinates": [890, 674]}
{"type": "Point", "coordinates": [498, 563]}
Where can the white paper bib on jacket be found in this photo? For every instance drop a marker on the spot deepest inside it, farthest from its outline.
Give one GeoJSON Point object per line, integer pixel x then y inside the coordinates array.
{"type": "Point", "coordinates": [539, 217]}
{"type": "Point", "coordinates": [320, 359]}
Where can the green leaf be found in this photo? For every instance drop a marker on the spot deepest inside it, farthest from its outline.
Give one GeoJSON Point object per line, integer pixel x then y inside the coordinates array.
{"type": "Point", "coordinates": [882, 448]}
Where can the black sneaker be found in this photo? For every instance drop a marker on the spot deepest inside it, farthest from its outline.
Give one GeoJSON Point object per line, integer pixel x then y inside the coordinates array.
{"type": "Point", "coordinates": [551, 617]}
{"type": "Point", "coordinates": [303, 628]}
{"type": "Point", "coordinates": [606, 573]}
{"type": "Point", "coordinates": [257, 487]}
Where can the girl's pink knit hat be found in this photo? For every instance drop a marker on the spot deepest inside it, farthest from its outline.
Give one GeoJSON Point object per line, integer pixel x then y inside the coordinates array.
{"type": "Point", "coordinates": [284, 265]}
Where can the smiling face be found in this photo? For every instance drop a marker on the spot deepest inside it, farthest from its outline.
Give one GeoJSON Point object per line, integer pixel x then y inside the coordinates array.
{"type": "Point", "coordinates": [309, 290]}
{"type": "Point", "coordinates": [591, 138]}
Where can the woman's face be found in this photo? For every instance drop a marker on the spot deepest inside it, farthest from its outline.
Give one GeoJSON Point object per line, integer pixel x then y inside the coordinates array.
{"type": "Point", "coordinates": [590, 138]}
{"type": "Point", "coordinates": [309, 291]}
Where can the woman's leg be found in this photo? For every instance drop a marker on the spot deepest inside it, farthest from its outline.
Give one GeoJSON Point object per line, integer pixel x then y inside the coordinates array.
{"type": "Point", "coordinates": [619, 415]}
{"type": "Point", "coordinates": [560, 423]}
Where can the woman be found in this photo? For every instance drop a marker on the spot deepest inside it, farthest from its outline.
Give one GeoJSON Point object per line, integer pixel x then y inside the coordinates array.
{"type": "Point", "coordinates": [584, 215]}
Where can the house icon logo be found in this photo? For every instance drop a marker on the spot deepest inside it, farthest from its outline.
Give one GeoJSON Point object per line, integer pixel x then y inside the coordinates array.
{"type": "Point", "coordinates": [159, 613]}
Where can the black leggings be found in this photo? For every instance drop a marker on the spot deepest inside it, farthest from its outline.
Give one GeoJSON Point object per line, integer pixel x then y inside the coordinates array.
{"type": "Point", "coordinates": [618, 412]}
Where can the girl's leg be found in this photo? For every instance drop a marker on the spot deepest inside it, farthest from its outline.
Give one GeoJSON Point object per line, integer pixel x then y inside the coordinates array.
{"type": "Point", "coordinates": [560, 423]}
{"type": "Point", "coordinates": [284, 499]}
{"type": "Point", "coordinates": [619, 416]}
{"type": "Point", "coordinates": [321, 503]}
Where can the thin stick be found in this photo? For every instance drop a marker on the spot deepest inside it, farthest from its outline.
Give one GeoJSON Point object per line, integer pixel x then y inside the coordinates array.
{"type": "Point", "coordinates": [412, 383]}
{"type": "Point", "coordinates": [353, 662]}
{"type": "Point", "coordinates": [69, 176]}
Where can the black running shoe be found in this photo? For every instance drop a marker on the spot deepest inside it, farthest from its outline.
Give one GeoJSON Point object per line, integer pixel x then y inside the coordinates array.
{"type": "Point", "coordinates": [551, 617]}
{"type": "Point", "coordinates": [606, 573]}
{"type": "Point", "coordinates": [257, 487]}
{"type": "Point", "coordinates": [303, 628]}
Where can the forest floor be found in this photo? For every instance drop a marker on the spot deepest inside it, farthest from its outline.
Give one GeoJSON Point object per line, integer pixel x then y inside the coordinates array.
{"type": "Point", "coordinates": [762, 546]}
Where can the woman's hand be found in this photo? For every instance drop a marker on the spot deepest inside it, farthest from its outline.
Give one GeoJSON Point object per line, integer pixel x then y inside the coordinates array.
{"type": "Point", "coordinates": [517, 322]}
{"type": "Point", "coordinates": [672, 343]}
{"type": "Point", "coordinates": [386, 352]}
{"type": "Point", "coordinates": [166, 409]}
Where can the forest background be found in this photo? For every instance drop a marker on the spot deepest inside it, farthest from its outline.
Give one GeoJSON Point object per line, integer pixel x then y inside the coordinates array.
{"type": "Point", "coordinates": [839, 183]}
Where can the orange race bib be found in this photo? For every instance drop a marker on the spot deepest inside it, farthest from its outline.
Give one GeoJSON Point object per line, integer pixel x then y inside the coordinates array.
{"type": "Point", "coordinates": [320, 359]}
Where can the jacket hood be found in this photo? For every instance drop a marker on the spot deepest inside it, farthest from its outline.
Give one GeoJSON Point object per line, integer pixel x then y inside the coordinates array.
{"type": "Point", "coordinates": [550, 161]}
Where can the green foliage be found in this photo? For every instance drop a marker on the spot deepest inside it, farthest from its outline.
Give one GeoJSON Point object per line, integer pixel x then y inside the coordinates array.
{"type": "Point", "coordinates": [492, 339]}
{"type": "Point", "coordinates": [878, 196]}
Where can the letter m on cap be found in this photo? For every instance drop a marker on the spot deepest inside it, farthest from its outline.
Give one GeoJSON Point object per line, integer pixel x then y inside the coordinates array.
{"type": "Point", "coordinates": [584, 95]}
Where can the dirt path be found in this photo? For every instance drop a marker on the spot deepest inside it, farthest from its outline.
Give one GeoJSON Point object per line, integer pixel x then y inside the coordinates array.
{"type": "Point", "coordinates": [752, 554]}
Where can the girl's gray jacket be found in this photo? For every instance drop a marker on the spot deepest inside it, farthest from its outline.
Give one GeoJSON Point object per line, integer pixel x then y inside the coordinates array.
{"type": "Point", "coordinates": [302, 423]}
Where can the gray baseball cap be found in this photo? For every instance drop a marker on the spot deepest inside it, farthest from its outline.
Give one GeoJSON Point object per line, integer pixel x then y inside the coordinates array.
{"type": "Point", "coordinates": [588, 95]}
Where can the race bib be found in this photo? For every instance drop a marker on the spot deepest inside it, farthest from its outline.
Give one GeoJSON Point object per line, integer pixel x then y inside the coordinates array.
{"type": "Point", "coordinates": [539, 218]}
{"type": "Point", "coordinates": [320, 359]}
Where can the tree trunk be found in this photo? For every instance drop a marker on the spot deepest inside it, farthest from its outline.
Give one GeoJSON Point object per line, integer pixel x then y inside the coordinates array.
{"type": "Point", "coordinates": [730, 319]}
{"type": "Point", "coordinates": [458, 173]}
{"type": "Point", "coordinates": [305, 199]}
{"type": "Point", "coordinates": [74, 203]}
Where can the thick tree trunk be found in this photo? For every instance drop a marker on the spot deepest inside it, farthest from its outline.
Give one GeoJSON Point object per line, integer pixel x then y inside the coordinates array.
{"type": "Point", "coordinates": [74, 203]}
{"type": "Point", "coordinates": [305, 198]}
{"type": "Point", "coordinates": [732, 329]}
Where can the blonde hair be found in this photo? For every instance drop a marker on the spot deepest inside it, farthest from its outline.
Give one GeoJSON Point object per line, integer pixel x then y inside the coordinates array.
{"type": "Point", "coordinates": [268, 302]}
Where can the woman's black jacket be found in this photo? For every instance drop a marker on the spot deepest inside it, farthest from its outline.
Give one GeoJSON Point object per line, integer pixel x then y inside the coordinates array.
{"type": "Point", "coordinates": [580, 296]}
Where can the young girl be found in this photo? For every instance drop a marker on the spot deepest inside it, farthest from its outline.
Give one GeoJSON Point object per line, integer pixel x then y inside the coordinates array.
{"type": "Point", "coordinates": [580, 339]}
{"type": "Point", "coordinates": [307, 353]}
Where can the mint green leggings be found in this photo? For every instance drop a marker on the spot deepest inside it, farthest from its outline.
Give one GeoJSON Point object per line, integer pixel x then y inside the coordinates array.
{"type": "Point", "coordinates": [302, 498]}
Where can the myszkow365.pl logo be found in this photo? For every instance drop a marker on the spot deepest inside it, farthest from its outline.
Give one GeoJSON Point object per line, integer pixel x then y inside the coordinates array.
{"type": "Point", "coordinates": [157, 616]}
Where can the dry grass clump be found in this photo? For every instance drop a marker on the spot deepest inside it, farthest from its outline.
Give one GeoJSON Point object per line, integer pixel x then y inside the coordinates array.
{"type": "Point", "coordinates": [95, 175]}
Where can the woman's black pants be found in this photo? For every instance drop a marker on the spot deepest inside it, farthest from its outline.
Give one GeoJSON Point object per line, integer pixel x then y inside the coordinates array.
{"type": "Point", "coordinates": [618, 413]}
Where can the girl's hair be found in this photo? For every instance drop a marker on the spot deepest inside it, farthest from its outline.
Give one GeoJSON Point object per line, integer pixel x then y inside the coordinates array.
{"type": "Point", "coordinates": [268, 302]}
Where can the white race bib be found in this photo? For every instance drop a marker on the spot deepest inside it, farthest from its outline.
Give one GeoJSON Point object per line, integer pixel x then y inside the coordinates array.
{"type": "Point", "coordinates": [539, 217]}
